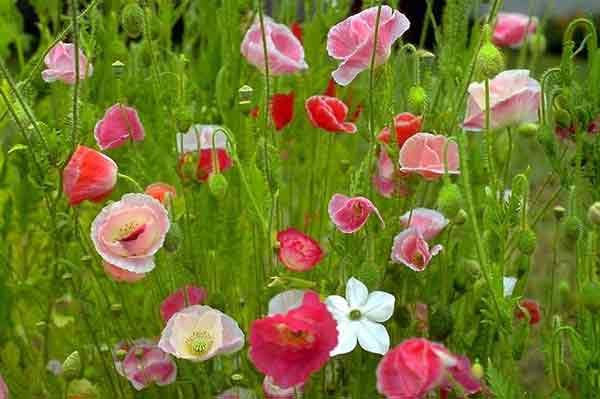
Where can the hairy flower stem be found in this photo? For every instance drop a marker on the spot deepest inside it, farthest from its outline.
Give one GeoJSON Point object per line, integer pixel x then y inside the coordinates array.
{"type": "Point", "coordinates": [490, 139]}
{"type": "Point", "coordinates": [75, 121]}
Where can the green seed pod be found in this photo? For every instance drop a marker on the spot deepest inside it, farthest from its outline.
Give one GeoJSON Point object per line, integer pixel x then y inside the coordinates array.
{"type": "Point", "coordinates": [527, 241]}
{"type": "Point", "coordinates": [461, 218]}
{"type": "Point", "coordinates": [477, 370]}
{"type": "Point", "coordinates": [523, 266]}
{"type": "Point", "coordinates": [173, 238]}
{"type": "Point", "coordinates": [132, 20]}
{"type": "Point", "coordinates": [559, 212]}
{"type": "Point", "coordinates": [490, 61]}
{"type": "Point", "coordinates": [72, 366]}
{"type": "Point", "coordinates": [116, 309]}
{"type": "Point", "coordinates": [417, 100]}
{"type": "Point", "coordinates": [572, 228]}
{"type": "Point", "coordinates": [117, 68]}
{"type": "Point", "coordinates": [82, 389]}
{"type": "Point", "coordinates": [594, 213]}
{"type": "Point", "coordinates": [449, 200]}
{"type": "Point", "coordinates": [441, 324]}
{"type": "Point", "coordinates": [217, 184]}
{"type": "Point", "coordinates": [528, 129]}
{"type": "Point", "coordinates": [590, 296]}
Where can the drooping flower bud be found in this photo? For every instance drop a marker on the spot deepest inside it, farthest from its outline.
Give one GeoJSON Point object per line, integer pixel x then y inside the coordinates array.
{"type": "Point", "coordinates": [217, 184]}
{"type": "Point", "coordinates": [490, 61]}
{"type": "Point", "coordinates": [527, 241]}
{"type": "Point", "coordinates": [132, 19]}
{"type": "Point", "coordinates": [461, 218]}
{"type": "Point", "coordinates": [449, 200]}
{"type": "Point", "coordinates": [590, 296]}
{"type": "Point", "coordinates": [594, 213]}
{"type": "Point", "coordinates": [82, 389]}
{"type": "Point", "coordinates": [417, 100]}
{"type": "Point", "coordinates": [537, 43]}
{"type": "Point", "coordinates": [72, 366]}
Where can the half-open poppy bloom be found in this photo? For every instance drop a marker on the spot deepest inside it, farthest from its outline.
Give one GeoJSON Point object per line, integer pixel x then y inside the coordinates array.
{"type": "Point", "coordinates": [121, 275]}
{"type": "Point", "coordinates": [406, 126]}
{"type": "Point", "coordinates": [119, 125]}
{"type": "Point", "coordinates": [290, 347]}
{"type": "Point", "coordinates": [428, 222]}
{"type": "Point", "coordinates": [89, 175]}
{"type": "Point", "coordinates": [349, 214]}
{"type": "Point", "coordinates": [128, 233]}
{"type": "Point", "coordinates": [329, 113]}
{"type": "Point", "coordinates": [514, 100]}
{"type": "Point", "coordinates": [411, 249]}
{"type": "Point", "coordinates": [297, 251]}
{"type": "Point", "coordinates": [159, 191]}
{"type": "Point", "coordinates": [145, 364]}
{"type": "Point", "coordinates": [423, 154]}
{"type": "Point", "coordinates": [533, 311]}
{"type": "Point", "coordinates": [284, 51]}
{"type": "Point", "coordinates": [60, 64]}
{"type": "Point", "coordinates": [282, 109]}
{"type": "Point", "coordinates": [199, 332]}
{"type": "Point", "coordinates": [203, 141]}
{"type": "Point", "coordinates": [352, 41]}
{"type": "Point", "coordinates": [512, 29]}
{"type": "Point", "coordinates": [180, 299]}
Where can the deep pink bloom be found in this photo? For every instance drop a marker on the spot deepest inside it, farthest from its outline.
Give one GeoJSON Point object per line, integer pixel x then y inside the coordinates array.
{"type": "Point", "coordinates": [128, 233]}
{"type": "Point", "coordinates": [349, 214]}
{"type": "Point", "coordinates": [297, 251]}
{"type": "Point", "coordinates": [119, 125]}
{"type": "Point", "coordinates": [89, 175]}
{"type": "Point", "coordinates": [406, 126]}
{"type": "Point", "coordinates": [182, 298]}
{"type": "Point", "coordinates": [423, 154]}
{"type": "Point", "coordinates": [3, 389]}
{"type": "Point", "coordinates": [428, 222]}
{"type": "Point", "coordinates": [282, 109]}
{"type": "Point", "coordinates": [329, 113]}
{"type": "Point", "coordinates": [514, 100]}
{"type": "Point", "coordinates": [121, 275]}
{"type": "Point", "coordinates": [145, 364]}
{"type": "Point", "coordinates": [352, 41]}
{"type": "Point", "coordinates": [159, 191]}
{"type": "Point", "coordinates": [512, 29]}
{"type": "Point", "coordinates": [284, 51]}
{"type": "Point", "coordinates": [273, 391]}
{"type": "Point", "coordinates": [60, 64]}
{"type": "Point", "coordinates": [290, 347]}
{"type": "Point", "coordinates": [411, 249]}
{"type": "Point", "coordinates": [532, 308]}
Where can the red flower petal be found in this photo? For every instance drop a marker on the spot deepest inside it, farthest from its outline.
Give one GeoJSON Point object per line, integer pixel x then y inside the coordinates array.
{"type": "Point", "coordinates": [89, 175]}
{"type": "Point", "coordinates": [205, 163]}
{"type": "Point", "coordinates": [329, 113]}
{"type": "Point", "coordinates": [282, 109]}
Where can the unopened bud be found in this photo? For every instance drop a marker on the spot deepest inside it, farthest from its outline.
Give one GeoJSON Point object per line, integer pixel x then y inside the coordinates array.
{"type": "Point", "coordinates": [537, 43]}
{"type": "Point", "coordinates": [528, 129]}
{"type": "Point", "coordinates": [461, 218]}
{"type": "Point", "coordinates": [417, 100]}
{"type": "Point", "coordinates": [245, 94]}
{"type": "Point", "coordinates": [449, 200]}
{"type": "Point", "coordinates": [527, 241]}
{"type": "Point", "coordinates": [217, 184]}
{"type": "Point", "coordinates": [72, 366]}
{"type": "Point", "coordinates": [559, 212]}
{"type": "Point", "coordinates": [477, 370]}
{"type": "Point", "coordinates": [132, 20]}
{"type": "Point", "coordinates": [490, 61]}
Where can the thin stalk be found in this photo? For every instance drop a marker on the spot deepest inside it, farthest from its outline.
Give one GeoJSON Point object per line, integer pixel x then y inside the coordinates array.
{"type": "Point", "coordinates": [75, 121]}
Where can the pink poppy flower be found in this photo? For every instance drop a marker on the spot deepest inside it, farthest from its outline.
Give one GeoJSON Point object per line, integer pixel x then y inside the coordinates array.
{"type": "Point", "coordinates": [119, 125]}
{"type": "Point", "coordinates": [352, 40]}
{"type": "Point", "coordinates": [386, 179]}
{"type": "Point", "coordinates": [461, 373]}
{"type": "Point", "coordinates": [199, 332]}
{"type": "Point", "coordinates": [411, 249]}
{"type": "Point", "coordinates": [159, 191]}
{"type": "Point", "coordinates": [290, 347]}
{"type": "Point", "coordinates": [121, 275]}
{"type": "Point", "coordinates": [60, 64]}
{"type": "Point", "coordinates": [533, 311]}
{"type": "Point", "coordinates": [512, 29]}
{"type": "Point", "coordinates": [427, 222]}
{"type": "Point", "coordinates": [128, 233]}
{"type": "Point", "coordinates": [406, 125]}
{"type": "Point", "coordinates": [89, 175]}
{"type": "Point", "coordinates": [423, 154]}
{"type": "Point", "coordinates": [514, 100]}
{"type": "Point", "coordinates": [350, 214]}
{"type": "Point", "coordinates": [180, 299]}
{"type": "Point", "coordinates": [297, 251]}
{"type": "Point", "coordinates": [329, 113]}
{"type": "Point", "coordinates": [272, 391]}
{"type": "Point", "coordinates": [284, 51]}
{"type": "Point", "coordinates": [3, 389]}
{"type": "Point", "coordinates": [145, 364]}
{"type": "Point", "coordinates": [200, 139]}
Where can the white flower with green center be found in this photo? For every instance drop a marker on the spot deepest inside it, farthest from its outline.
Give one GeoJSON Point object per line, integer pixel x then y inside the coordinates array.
{"type": "Point", "coordinates": [359, 316]}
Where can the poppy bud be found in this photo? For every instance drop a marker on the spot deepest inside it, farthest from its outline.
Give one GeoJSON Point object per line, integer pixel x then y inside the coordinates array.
{"type": "Point", "coordinates": [528, 129]}
{"type": "Point", "coordinates": [594, 213]}
{"type": "Point", "coordinates": [563, 288]}
{"type": "Point", "coordinates": [417, 100]}
{"type": "Point", "coordinates": [572, 228]}
{"type": "Point", "coordinates": [132, 20]}
{"type": "Point", "coordinates": [217, 184]}
{"type": "Point", "coordinates": [559, 212]}
{"type": "Point", "coordinates": [477, 370]}
{"type": "Point", "coordinates": [490, 61]}
{"type": "Point", "coordinates": [562, 117]}
{"type": "Point", "coordinates": [590, 296]}
{"type": "Point", "coordinates": [72, 366]}
{"type": "Point", "coordinates": [537, 43]}
{"type": "Point", "coordinates": [82, 389]}
{"type": "Point", "coordinates": [461, 218]}
{"type": "Point", "coordinates": [449, 200]}
{"type": "Point", "coordinates": [173, 238]}
{"type": "Point", "coordinates": [117, 68]}
{"type": "Point", "coordinates": [441, 324]}
{"type": "Point", "coordinates": [184, 119]}
{"type": "Point", "coordinates": [527, 241]}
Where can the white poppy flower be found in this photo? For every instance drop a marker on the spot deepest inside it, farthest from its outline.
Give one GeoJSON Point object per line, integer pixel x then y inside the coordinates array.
{"type": "Point", "coordinates": [358, 317]}
{"type": "Point", "coordinates": [509, 285]}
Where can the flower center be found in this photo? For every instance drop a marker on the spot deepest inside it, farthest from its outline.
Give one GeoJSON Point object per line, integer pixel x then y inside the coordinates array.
{"type": "Point", "coordinates": [355, 314]}
{"type": "Point", "coordinates": [418, 260]}
{"type": "Point", "coordinates": [130, 231]}
{"type": "Point", "coordinates": [295, 338]}
{"type": "Point", "coordinates": [200, 342]}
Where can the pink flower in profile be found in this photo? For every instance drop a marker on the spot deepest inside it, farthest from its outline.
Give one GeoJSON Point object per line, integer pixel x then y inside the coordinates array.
{"type": "Point", "coordinates": [290, 347]}
{"type": "Point", "coordinates": [349, 214]}
{"type": "Point", "coordinates": [411, 249]}
{"type": "Point", "coordinates": [297, 251]}
{"type": "Point", "coordinates": [284, 51]}
{"type": "Point", "coordinates": [60, 64]}
{"type": "Point", "coordinates": [273, 391]}
{"type": "Point", "coordinates": [514, 100]}
{"type": "Point", "coordinates": [386, 179]}
{"type": "Point", "coordinates": [128, 233]}
{"type": "Point", "coordinates": [461, 373]}
{"type": "Point", "coordinates": [423, 154]}
{"type": "Point", "coordinates": [145, 364]}
{"type": "Point", "coordinates": [121, 275]}
{"type": "Point", "coordinates": [428, 222]}
{"type": "Point", "coordinates": [3, 389]}
{"type": "Point", "coordinates": [119, 125]}
{"type": "Point", "coordinates": [329, 114]}
{"type": "Point", "coordinates": [352, 41]}
{"type": "Point", "coordinates": [199, 332]}
{"type": "Point", "coordinates": [182, 298]}
{"type": "Point", "coordinates": [512, 29]}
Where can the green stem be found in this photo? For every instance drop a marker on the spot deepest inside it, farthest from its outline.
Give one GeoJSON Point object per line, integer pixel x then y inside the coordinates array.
{"type": "Point", "coordinates": [131, 180]}
{"type": "Point", "coordinates": [75, 121]}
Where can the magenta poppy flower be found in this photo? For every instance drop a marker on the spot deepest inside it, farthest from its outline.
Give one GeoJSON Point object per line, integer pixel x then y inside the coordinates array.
{"type": "Point", "coordinates": [128, 233]}
{"type": "Point", "coordinates": [427, 222]}
{"type": "Point", "coordinates": [284, 51]}
{"type": "Point", "coordinates": [119, 125]}
{"type": "Point", "coordinates": [297, 251]}
{"type": "Point", "coordinates": [290, 347]}
{"type": "Point", "coordinates": [60, 64]}
{"type": "Point", "coordinates": [411, 249]}
{"type": "Point", "coordinates": [89, 175]}
{"type": "Point", "coordinates": [145, 364]}
{"type": "Point", "coordinates": [182, 298]}
{"type": "Point", "coordinates": [121, 275]}
{"type": "Point", "coordinates": [514, 100]}
{"type": "Point", "coordinates": [349, 214]}
{"type": "Point", "coordinates": [208, 143]}
{"type": "Point", "coordinates": [329, 113]}
{"type": "Point", "coordinates": [352, 40]}
{"type": "Point", "coordinates": [273, 391]}
{"type": "Point", "coordinates": [512, 29]}
{"type": "Point", "coordinates": [423, 154]}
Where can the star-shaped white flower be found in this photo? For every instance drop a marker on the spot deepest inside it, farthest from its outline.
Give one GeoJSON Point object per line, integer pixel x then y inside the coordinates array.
{"type": "Point", "coordinates": [358, 317]}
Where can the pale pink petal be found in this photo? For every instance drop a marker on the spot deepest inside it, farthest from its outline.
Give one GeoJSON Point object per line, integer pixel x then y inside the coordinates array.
{"type": "Point", "coordinates": [428, 222]}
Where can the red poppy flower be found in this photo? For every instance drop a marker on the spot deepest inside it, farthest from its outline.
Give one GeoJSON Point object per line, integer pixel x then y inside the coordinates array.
{"type": "Point", "coordinates": [297, 31]}
{"type": "Point", "coordinates": [297, 251]}
{"type": "Point", "coordinates": [205, 163]}
{"type": "Point", "coordinates": [159, 190]}
{"type": "Point", "coordinates": [406, 125]}
{"type": "Point", "coordinates": [329, 113]}
{"type": "Point", "coordinates": [282, 109]}
{"type": "Point", "coordinates": [89, 175]}
{"type": "Point", "coordinates": [532, 308]}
